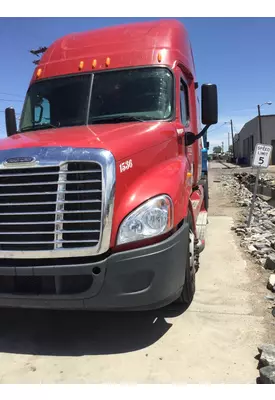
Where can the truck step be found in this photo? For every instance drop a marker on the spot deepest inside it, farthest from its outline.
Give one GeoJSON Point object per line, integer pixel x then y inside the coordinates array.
{"type": "Point", "coordinates": [200, 245]}
{"type": "Point", "coordinates": [201, 224]}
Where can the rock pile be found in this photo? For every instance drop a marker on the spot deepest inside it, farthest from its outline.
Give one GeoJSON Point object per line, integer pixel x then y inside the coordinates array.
{"type": "Point", "coordinates": [259, 241]}
{"type": "Point", "coordinates": [267, 180]}
{"type": "Point", "coordinates": [267, 363]}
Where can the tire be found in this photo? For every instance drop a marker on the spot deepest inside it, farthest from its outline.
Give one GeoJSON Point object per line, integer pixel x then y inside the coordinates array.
{"type": "Point", "coordinates": [206, 194]}
{"type": "Point", "coordinates": [189, 287]}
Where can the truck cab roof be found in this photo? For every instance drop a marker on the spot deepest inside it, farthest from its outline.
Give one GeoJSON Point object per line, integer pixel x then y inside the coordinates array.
{"type": "Point", "coordinates": [159, 42]}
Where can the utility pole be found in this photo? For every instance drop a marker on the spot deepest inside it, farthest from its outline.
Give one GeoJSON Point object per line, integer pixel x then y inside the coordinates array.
{"type": "Point", "coordinates": [260, 123]}
{"type": "Point", "coordinates": [222, 147]}
{"type": "Point", "coordinates": [228, 140]}
{"type": "Point", "coordinates": [232, 134]}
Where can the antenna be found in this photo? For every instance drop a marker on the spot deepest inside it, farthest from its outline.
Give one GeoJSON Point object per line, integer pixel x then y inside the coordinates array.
{"type": "Point", "coordinates": [38, 53]}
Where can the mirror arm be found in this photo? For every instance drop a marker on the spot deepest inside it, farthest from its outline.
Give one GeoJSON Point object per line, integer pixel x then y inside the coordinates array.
{"type": "Point", "coordinates": [190, 137]}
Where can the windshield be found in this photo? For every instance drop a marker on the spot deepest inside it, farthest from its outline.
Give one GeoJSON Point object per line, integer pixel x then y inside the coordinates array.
{"type": "Point", "coordinates": [113, 96]}
{"type": "Point", "coordinates": [56, 103]}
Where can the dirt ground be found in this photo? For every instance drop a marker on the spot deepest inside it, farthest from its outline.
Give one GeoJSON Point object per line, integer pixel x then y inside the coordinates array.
{"type": "Point", "coordinates": [214, 341]}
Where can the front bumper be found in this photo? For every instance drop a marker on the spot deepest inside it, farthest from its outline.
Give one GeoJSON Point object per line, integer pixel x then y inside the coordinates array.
{"type": "Point", "coordinates": [141, 279]}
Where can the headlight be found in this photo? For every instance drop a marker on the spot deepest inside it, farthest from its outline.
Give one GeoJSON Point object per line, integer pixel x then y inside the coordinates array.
{"type": "Point", "coordinates": [152, 218]}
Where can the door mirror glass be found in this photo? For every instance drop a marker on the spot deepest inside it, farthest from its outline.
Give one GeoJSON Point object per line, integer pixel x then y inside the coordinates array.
{"type": "Point", "coordinates": [209, 104]}
{"type": "Point", "coordinates": [10, 121]}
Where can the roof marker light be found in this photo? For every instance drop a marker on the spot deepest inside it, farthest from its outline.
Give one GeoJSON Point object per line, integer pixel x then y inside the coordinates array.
{"type": "Point", "coordinates": [108, 61]}
{"type": "Point", "coordinates": [159, 57]}
{"type": "Point", "coordinates": [94, 63]}
{"type": "Point", "coordinates": [38, 73]}
{"type": "Point", "coordinates": [81, 65]}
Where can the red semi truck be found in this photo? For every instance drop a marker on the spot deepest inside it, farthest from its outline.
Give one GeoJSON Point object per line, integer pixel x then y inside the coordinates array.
{"type": "Point", "coordinates": [101, 197]}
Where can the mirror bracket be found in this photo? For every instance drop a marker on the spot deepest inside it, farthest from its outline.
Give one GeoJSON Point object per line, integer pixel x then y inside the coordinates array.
{"type": "Point", "coordinates": [190, 137]}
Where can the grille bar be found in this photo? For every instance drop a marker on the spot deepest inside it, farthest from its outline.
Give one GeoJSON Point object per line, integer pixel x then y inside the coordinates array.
{"type": "Point", "coordinates": [50, 202]}
{"type": "Point", "coordinates": [50, 233]}
{"type": "Point", "coordinates": [50, 193]}
{"type": "Point", "coordinates": [46, 183]}
{"type": "Point", "coordinates": [49, 173]}
{"type": "Point", "coordinates": [50, 213]}
{"type": "Point", "coordinates": [53, 242]}
{"type": "Point", "coordinates": [47, 222]}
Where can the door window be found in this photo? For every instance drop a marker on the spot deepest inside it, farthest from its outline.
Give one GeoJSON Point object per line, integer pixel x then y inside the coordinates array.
{"type": "Point", "coordinates": [184, 103]}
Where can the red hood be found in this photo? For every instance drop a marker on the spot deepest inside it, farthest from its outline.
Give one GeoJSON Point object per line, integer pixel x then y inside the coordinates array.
{"type": "Point", "coordinates": [121, 139]}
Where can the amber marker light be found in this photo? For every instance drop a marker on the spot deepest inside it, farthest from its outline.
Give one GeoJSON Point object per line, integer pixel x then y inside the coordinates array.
{"type": "Point", "coordinates": [38, 73]}
{"type": "Point", "coordinates": [81, 65]}
{"type": "Point", "coordinates": [108, 61]}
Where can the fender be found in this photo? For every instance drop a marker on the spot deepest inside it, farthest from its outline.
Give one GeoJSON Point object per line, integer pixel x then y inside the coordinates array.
{"type": "Point", "coordinates": [167, 177]}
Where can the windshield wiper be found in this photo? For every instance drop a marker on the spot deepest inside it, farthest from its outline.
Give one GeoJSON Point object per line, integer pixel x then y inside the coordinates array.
{"type": "Point", "coordinates": [116, 119]}
{"type": "Point", "coordinates": [38, 127]}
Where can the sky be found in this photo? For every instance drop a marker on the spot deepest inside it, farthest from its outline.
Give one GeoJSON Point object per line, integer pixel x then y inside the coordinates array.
{"type": "Point", "coordinates": [235, 53]}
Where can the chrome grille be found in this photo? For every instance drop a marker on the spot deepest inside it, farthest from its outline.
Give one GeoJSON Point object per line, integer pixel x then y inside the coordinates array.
{"type": "Point", "coordinates": [51, 207]}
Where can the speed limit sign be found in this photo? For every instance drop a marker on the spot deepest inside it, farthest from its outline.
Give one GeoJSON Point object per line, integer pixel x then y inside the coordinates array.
{"type": "Point", "coordinates": [262, 155]}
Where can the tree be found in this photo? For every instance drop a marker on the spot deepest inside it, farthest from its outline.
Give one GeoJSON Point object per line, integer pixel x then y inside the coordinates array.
{"type": "Point", "coordinates": [217, 149]}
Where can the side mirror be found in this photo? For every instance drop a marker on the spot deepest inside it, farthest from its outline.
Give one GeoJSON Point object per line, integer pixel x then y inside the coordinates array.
{"type": "Point", "coordinates": [207, 145]}
{"type": "Point", "coordinates": [209, 113]}
{"type": "Point", "coordinates": [10, 121]}
{"type": "Point", "coordinates": [209, 104]}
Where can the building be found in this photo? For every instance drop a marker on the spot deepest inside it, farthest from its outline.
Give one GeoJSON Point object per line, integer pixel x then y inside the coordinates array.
{"type": "Point", "coordinates": [248, 137]}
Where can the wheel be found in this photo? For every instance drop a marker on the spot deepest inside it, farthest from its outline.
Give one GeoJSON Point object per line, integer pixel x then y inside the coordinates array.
{"type": "Point", "coordinates": [206, 194]}
{"type": "Point", "coordinates": [188, 289]}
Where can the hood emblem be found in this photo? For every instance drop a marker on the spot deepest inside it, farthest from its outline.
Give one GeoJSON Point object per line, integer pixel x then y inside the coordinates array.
{"type": "Point", "coordinates": [11, 162]}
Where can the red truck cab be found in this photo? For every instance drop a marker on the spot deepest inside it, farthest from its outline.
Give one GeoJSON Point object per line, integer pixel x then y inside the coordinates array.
{"type": "Point", "coordinates": [100, 191]}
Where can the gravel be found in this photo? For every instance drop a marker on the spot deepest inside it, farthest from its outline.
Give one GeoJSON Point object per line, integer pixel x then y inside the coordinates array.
{"type": "Point", "coordinates": [267, 363]}
{"type": "Point", "coordinates": [258, 239]}
{"type": "Point", "coordinates": [271, 283]}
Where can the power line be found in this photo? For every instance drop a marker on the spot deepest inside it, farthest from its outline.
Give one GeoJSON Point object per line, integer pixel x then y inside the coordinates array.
{"type": "Point", "coordinates": [217, 127]}
{"type": "Point", "coordinates": [11, 94]}
{"type": "Point", "coordinates": [2, 111]}
{"type": "Point", "coordinates": [20, 101]}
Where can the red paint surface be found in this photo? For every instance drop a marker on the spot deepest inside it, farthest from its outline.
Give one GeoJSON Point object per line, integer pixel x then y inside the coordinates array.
{"type": "Point", "coordinates": [125, 45]}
